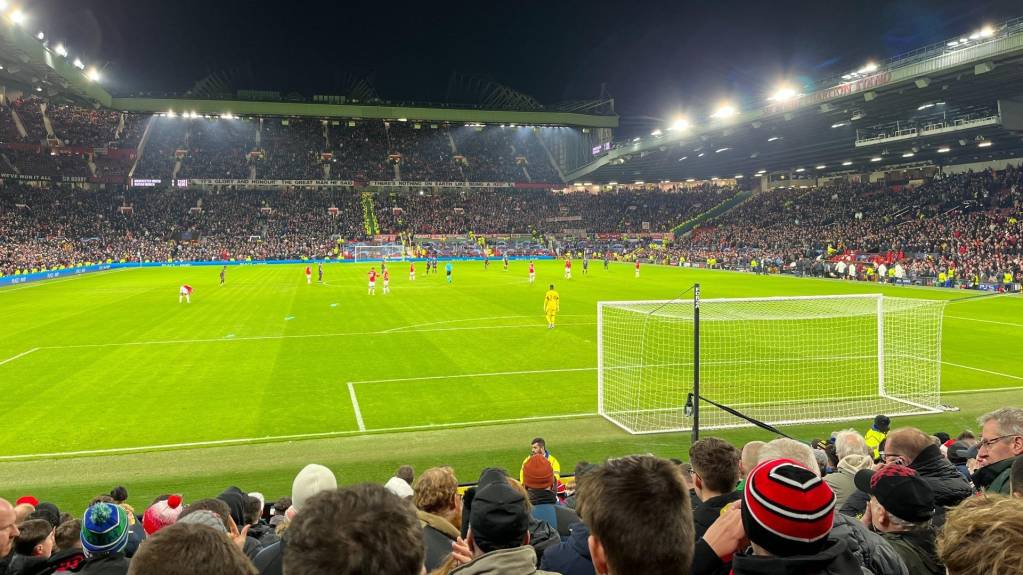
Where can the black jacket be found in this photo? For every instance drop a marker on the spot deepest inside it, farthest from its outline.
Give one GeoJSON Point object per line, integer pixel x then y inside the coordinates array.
{"type": "Point", "coordinates": [438, 535]}
{"type": "Point", "coordinates": [834, 559]}
{"type": "Point", "coordinates": [572, 555]}
{"type": "Point", "coordinates": [542, 537]}
{"type": "Point", "coordinates": [270, 561]}
{"type": "Point", "coordinates": [706, 512]}
{"type": "Point", "coordinates": [64, 561]}
{"type": "Point", "coordinates": [116, 564]}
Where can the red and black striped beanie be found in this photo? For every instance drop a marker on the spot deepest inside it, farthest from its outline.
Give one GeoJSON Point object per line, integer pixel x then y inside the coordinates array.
{"type": "Point", "coordinates": [787, 509]}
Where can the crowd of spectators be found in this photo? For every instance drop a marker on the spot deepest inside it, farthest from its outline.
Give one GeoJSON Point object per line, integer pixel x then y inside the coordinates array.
{"type": "Point", "coordinates": [893, 501]}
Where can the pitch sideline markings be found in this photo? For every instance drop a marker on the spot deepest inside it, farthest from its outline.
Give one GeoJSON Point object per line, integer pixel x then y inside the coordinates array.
{"type": "Point", "coordinates": [985, 390]}
{"type": "Point", "coordinates": [982, 370]}
{"type": "Point", "coordinates": [22, 354]}
{"type": "Point", "coordinates": [57, 281]}
{"type": "Point", "coordinates": [984, 320]}
{"type": "Point", "coordinates": [274, 438]}
{"type": "Point", "coordinates": [355, 404]}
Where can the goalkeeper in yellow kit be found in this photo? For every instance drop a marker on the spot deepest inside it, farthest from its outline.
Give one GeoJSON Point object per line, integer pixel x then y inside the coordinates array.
{"type": "Point", "coordinates": [551, 306]}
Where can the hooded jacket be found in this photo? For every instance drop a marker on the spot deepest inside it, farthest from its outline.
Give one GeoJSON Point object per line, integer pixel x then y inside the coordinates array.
{"type": "Point", "coordinates": [516, 561]}
{"type": "Point", "coordinates": [572, 555]}
{"type": "Point", "coordinates": [841, 481]}
{"type": "Point", "coordinates": [834, 559]}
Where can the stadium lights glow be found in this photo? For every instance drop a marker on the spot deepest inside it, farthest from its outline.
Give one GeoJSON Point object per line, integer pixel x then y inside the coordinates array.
{"type": "Point", "coordinates": [636, 139]}
{"type": "Point", "coordinates": [93, 75]}
{"type": "Point", "coordinates": [724, 111]}
{"type": "Point", "coordinates": [738, 176]}
{"type": "Point", "coordinates": [924, 106]}
{"type": "Point", "coordinates": [170, 113]}
{"type": "Point", "coordinates": [682, 158]}
{"type": "Point", "coordinates": [18, 17]}
{"type": "Point", "coordinates": [800, 170]}
{"type": "Point", "coordinates": [944, 150]}
{"type": "Point", "coordinates": [40, 36]}
{"type": "Point", "coordinates": [719, 150]}
{"type": "Point", "coordinates": [39, 89]}
{"type": "Point", "coordinates": [839, 124]}
{"type": "Point", "coordinates": [656, 132]}
{"type": "Point", "coordinates": [908, 155]}
{"type": "Point", "coordinates": [870, 67]}
{"type": "Point", "coordinates": [783, 94]}
{"type": "Point", "coordinates": [79, 64]}
{"type": "Point", "coordinates": [679, 124]}
{"type": "Point", "coordinates": [984, 144]}
{"type": "Point", "coordinates": [639, 182]}
{"type": "Point", "coordinates": [714, 179]}
{"type": "Point", "coordinates": [587, 183]}
{"type": "Point", "coordinates": [61, 50]}
{"type": "Point", "coordinates": [847, 163]}
{"type": "Point", "coordinates": [985, 32]}
{"type": "Point", "coordinates": [3, 4]}
{"type": "Point", "coordinates": [700, 155]}
{"type": "Point", "coordinates": [773, 138]}
{"type": "Point", "coordinates": [690, 180]}
{"type": "Point", "coordinates": [612, 183]}
{"type": "Point", "coordinates": [403, 119]}
{"type": "Point", "coordinates": [875, 159]}
{"type": "Point", "coordinates": [821, 167]}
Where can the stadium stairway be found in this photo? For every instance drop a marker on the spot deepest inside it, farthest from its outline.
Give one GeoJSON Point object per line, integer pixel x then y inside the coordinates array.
{"type": "Point", "coordinates": [724, 207]}
{"type": "Point", "coordinates": [17, 123]}
{"type": "Point", "coordinates": [47, 125]}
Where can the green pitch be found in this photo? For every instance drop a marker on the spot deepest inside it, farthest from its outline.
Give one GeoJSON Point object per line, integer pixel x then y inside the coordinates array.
{"type": "Point", "coordinates": [111, 364]}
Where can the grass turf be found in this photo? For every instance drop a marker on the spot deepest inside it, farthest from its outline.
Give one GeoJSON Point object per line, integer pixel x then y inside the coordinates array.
{"type": "Point", "coordinates": [118, 363]}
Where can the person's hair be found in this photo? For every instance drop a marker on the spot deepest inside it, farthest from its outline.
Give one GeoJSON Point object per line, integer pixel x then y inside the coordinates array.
{"type": "Point", "coordinates": [434, 489]}
{"type": "Point", "coordinates": [540, 440]}
{"type": "Point", "coordinates": [850, 442]}
{"type": "Point", "coordinates": [119, 494]}
{"type": "Point", "coordinates": [1010, 420]}
{"type": "Point", "coordinates": [253, 510]}
{"type": "Point", "coordinates": [282, 505]}
{"type": "Point", "coordinates": [908, 441]}
{"type": "Point", "coordinates": [750, 454]}
{"type": "Point", "coordinates": [981, 537]}
{"type": "Point", "coordinates": [1016, 476]}
{"type": "Point", "coordinates": [33, 532]}
{"type": "Point", "coordinates": [215, 505]}
{"type": "Point", "coordinates": [65, 517]}
{"type": "Point", "coordinates": [67, 535]}
{"type": "Point", "coordinates": [822, 458]}
{"type": "Point", "coordinates": [716, 462]}
{"type": "Point", "coordinates": [360, 529]}
{"type": "Point", "coordinates": [101, 499]}
{"type": "Point", "coordinates": [407, 473]}
{"type": "Point", "coordinates": [639, 510]}
{"type": "Point", "coordinates": [183, 549]}
{"type": "Point", "coordinates": [785, 448]}
{"type": "Point", "coordinates": [966, 434]}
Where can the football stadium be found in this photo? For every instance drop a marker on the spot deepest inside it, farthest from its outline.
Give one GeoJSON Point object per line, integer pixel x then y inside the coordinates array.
{"type": "Point", "coordinates": [261, 325]}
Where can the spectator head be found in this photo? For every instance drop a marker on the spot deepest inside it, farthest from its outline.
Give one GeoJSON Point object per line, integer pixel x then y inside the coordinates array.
{"type": "Point", "coordinates": [161, 514]}
{"type": "Point", "coordinates": [1016, 478]}
{"type": "Point", "coordinates": [882, 423]}
{"type": "Point", "coordinates": [237, 502]}
{"type": "Point", "coordinates": [407, 473]}
{"type": "Point", "coordinates": [436, 492]}
{"type": "Point", "coordinates": [8, 527]}
{"type": "Point", "coordinates": [750, 456]}
{"type": "Point", "coordinates": [311, 480]}
{"type": "Point", "coordinates": [119, 494]}
{"type": "Point", "coordinates": [218, 508]}
{"type": "Point", "coordinates": [942, 437]}
{"type": "Point", "coordinates": [640, 516]}
{"type": "Point", "coordinates": [262, 501]}
{"type": "Point", "coordinates": [205, 517]}
{"type": "Point", "coordinates": [538, 445]}
{"type": "Point", "coordinates": [905, 444]}
{"type": "Point", "coordinates": [22, 511]}
{"type": "Point", "coordinates": [105, 529]}
{"type": "Point", "coordinates": [537, 472]}
{"type": "Point", "coordinates": [787, 509]}
{"type": "Point", "coordinates": [785, 448]}
{"type": "Point", "coordinates": [66, 535]}
{"type": "Point", "coordinates": [399, 487]}
{"type": "Point", "coordinates": [47, 511]}
{"type": "Point", "coordinates": [359, 529]}
{"type": "Point", "coordinates": [850, 442]}
{"type": "Point", "coordinates": [981, 537]}
{"type": "Point", "coordinates": [35, 540]}
{"type": "Point", "coordinates": [1001, 435]}
{"type": "Point", "coordinates": [253, 510]}
{"type": "Point", "coordinates": [899, 499]}
{"type": "Point", "coordinates": [499, 517]}
{"type": "Point", "coordinates": [279, 510]}
{"type": "Point", "coordinates": [189, 548]}
{"type": "Point", "coordinates": [715, 467]}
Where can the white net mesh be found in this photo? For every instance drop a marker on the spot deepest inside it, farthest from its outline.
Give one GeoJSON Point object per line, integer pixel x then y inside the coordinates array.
{"type": "Point", "coordinates": [387, 252]}
{"type": "Point", "coordinates": [778, 360]}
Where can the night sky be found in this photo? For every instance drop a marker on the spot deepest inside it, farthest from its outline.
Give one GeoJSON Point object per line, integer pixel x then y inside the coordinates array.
{"type": "Point", "coordinates": [656, 58]}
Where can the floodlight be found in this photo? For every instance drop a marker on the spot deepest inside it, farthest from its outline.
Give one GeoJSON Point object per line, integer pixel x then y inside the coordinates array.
{"type": "Point", "coordinates": [61, 50]}
{"type": "Point", "coordinates": [679, 124]}
{"type": "Point", "coordinates": [984, 144]}
{"type": "Point", "coordinates": [719, 150]}
{"type": "Point", "coordinates": [773, 138]}
{"type": "Point", "coordinates": [875, 159]}
{"type": "Point", "coordinates": [987, 32]}
{"type": "Point", "coordinates": [656, 132]}
{"type": "Point", "coordinates": [908, 155]}
{"type": "Point", "coordinates": [690, 179]}
{"type": "Point", "coordinates": [636, 139]}
{"type": "Point", "coordinates": [847, 163]}
{"type": "Point", "coordinates": [800, 170]}
{"type": "Point", "coordinates": [724, 111]}
{"type": "Point", "coordinates": [682, 158]}
{"type": "Point", "coordinates": [783, 94]}
{"type": "Point", "coordinates": [944, 150]}
{"type": "Point", "coordinates": [79, 64]}
{"type": "Point", "coordinates": [18, 17]}
{"type": "Point", "coordinates": [839, 124]}
{"type": "Point", "coordinates": [870, 67]}
{"type": "Point", "coordinates": [738, 176]}
{"type": "Point", "coordinates": [40, 36]}
{"type": "Point", "coordinates": [93, 75]}
{"type": "Point", "coordinates": [821, 167]}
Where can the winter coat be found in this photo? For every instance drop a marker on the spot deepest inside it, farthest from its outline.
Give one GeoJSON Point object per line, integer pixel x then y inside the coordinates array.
{"type": "Point", "coordinates": [26, 564]}
{"type": "Point", "coordinates": [115, 564]}
{"type": "Point", "coordinates": [841, 481]}
{"type": "Point", "coordinates": [918, 551]}
{"type": "Point", "coordinates": [706, 512]}
{"type": "Point", "coordinates": [438, 535]}
{"type": "Point", "coordinates": [64, 561]}
{"type": "Point", "coordinates": [874, 438]}
{"type": "Point", "coordinates": [263, 534]}
{"type": "Point", "coordinates": [834, 559]}
{"type": "Point", "coordinates": [270, 560]}
{"type": "Point", "coordinates": [516, 561]}
{"type": "Point", "coordinates": [542, 537]}
{"type": "Point", "coordinates": [873, 552]}
{"type": "Point", "coordinates": [994, 478]}
{"type": "Point", "coordinates": [572, 555]}
{"type": "Point", "coordinates": [545, 505]}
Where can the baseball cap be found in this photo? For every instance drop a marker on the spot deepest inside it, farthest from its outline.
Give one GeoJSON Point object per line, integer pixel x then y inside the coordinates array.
{"type": "Point", "coordinates": [899, 490]}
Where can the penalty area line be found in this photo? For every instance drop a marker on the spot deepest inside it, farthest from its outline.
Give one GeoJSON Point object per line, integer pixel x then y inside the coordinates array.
{"type": "Point", "coordinates": [355, 405]}
{"type": "Point", "coordinates": [20, 355]}
{"type": "Point", "coordinates": [299, 436]}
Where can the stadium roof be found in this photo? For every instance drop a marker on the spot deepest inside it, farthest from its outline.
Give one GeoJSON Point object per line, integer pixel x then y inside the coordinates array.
{"type": "Point", "coordinates": [938, 104]}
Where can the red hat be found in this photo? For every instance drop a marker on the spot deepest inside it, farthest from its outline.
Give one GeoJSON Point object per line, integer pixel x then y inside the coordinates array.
{"type": "Point", "coordinates": [537, 473]}
{"type": "Point", "coordinates": [27, 499]}
{"type": "Point", "coordinates": [787, 509]}
{"type": "Point", "coordinates": [161, 514]}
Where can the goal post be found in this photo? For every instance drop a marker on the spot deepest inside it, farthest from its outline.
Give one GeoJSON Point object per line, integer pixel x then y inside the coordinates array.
{"type": "Point", "coordinates": [779, 360]}
{"type": "Point", "coordinates": [383, 252]}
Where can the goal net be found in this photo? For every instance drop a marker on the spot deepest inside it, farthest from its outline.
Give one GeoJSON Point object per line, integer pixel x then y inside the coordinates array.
{"type": "Point", "coordinates": [780, 360]}
{"type": "Point", "coordinates": [385, 252]}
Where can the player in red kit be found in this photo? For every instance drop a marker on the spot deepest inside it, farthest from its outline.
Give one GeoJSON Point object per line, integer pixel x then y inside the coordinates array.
{"type": "Point", "coordinates": [412, 272]}
{"type": "Point", "coordinates": [532, 272]}
{"type": "Point", "coordinates": [308, 275]}
{"type": "Point", "coordinates": [387, 282]}
{"type": "Point", "coordinates": [637, 268]}
{"type": "Point", "coordinates": [186, 293]}
{"type": "Point", "coordinates": [373, 281]}
{"type": "Point", "coordinates": [568, 268]}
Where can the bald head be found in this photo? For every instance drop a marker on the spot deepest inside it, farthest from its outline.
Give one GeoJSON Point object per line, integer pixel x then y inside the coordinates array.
{"type": "Point", "coordinates": [8, 527]}
{"type": "Point", "coordinates": [907, 443]}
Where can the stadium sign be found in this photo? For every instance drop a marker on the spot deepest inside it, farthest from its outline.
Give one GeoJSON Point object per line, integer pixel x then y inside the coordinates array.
{"type": "Point", "coordinates": [265, 183]}
{"type": "Point", "coordinates": [834, 92]}
{"type": "Point", "coordinates": [33, 178]}
{"type": "Point", "coordinates": [398, 184]}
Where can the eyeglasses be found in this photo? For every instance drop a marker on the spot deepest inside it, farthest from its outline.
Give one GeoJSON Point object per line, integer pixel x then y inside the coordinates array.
{"type": "Point", "coordinates": [987, 443]}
